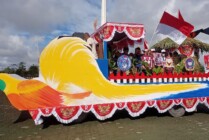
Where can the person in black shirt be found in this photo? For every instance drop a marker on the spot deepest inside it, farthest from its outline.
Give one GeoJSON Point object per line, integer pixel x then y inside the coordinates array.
{"type": "Point", "coordinates": [137, 59]}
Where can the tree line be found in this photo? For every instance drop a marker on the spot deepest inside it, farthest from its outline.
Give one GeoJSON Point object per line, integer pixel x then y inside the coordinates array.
{"type": "Point", "coordinates": [21, 70]}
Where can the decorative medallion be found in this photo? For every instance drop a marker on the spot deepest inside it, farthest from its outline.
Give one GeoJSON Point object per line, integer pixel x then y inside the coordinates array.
{"type": "Point", "coordinates": [124, 63]}
{"type": "Point", "coordinates": [135, 107]}
{"type": "Point", "coordinates": [189, 103]}
{"type": "Point", "coordinates": [67, 113]}
{"type": "Point", "coordinates": [186, 50]}
{"type": "Point", "coordinates": [164, 104]}
{"type": "Point", "coordinates": [103, 109]}
{"type": "Point", "coordinates": [189, 64]}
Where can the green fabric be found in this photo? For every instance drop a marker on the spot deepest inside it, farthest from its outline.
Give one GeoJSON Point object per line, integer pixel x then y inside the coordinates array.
{"type": "Point", "coordinates": [2, 85]}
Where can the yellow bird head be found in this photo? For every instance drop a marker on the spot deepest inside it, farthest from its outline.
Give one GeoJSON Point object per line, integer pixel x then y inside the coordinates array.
{"type": "Point", "coordinates": [8, 84]}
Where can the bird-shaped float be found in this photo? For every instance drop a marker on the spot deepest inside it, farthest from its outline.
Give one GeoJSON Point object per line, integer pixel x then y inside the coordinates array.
{"type": "Point", "coordinates": [33, 94]}
{"type": "Point", "coordinates": [69, 73]}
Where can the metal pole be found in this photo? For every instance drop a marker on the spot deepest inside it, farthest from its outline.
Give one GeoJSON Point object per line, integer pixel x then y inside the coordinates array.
{"type": "Point", "coordinates": [103, 12]}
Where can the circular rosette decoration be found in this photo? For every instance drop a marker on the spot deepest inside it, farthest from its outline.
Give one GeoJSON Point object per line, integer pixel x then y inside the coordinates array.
{"type": "Point", "coordinates": [124, 63]}
{"type": "Point", "coordinates": [189, 64]}
{"type": "Point", "coordinates": [186, 50]}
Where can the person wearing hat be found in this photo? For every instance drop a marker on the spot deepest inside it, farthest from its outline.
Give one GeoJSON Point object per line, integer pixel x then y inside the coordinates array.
{"type": "Point", "coordinates": [153, 50]}
{"type": "Point", "coordinates": [163, 51]}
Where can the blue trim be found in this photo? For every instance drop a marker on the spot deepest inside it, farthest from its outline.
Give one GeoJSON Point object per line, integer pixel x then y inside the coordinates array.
{"type": "Point", "coordinates": [203, 92]}
{"type": "Point", "coordinates": [103, 65]}
{"type": "Point", "coordinates": [105, 49]}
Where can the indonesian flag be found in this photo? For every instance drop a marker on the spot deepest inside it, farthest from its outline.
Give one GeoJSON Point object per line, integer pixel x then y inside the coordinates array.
{"type": "Point", "coordinates": [175, 28]}
{"type": "Point", "coordinates": [180, 16]}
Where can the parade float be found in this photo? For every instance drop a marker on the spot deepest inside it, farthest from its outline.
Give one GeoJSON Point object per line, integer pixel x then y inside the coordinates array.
{"type": "Point", "coordinates": [72, 82]}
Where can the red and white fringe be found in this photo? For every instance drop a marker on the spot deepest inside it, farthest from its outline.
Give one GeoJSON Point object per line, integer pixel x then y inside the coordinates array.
{"type": "Point", "coordinates": [104, 111]}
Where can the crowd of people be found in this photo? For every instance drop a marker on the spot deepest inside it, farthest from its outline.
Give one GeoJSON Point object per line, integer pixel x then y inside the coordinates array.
{"type": "Point", "coordinates": [149, 61]}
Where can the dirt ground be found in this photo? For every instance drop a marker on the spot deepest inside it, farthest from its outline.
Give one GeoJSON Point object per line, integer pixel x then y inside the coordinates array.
{"type": "Point", "coordinates": [149, 126]}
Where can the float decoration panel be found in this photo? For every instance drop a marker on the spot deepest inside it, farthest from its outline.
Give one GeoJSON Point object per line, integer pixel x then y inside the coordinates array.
{"type": "Point", "coordinates": [108, 30]}
{"type": "Point", "coordinates": [104, 111]}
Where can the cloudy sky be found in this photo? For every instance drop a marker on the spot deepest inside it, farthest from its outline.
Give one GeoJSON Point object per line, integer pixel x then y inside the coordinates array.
{"type": "Point", "coordinates": [27, 26]}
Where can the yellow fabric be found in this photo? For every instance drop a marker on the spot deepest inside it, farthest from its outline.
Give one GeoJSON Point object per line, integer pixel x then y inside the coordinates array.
{"type": "Point", "coordinates": [67, 61]}
{"type": "Point", "coordinates": [11, 83]}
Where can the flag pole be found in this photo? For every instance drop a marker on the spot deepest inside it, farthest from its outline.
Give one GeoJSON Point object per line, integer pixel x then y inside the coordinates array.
{"type": "Point", "coordinates": [103, 12]}
{"type": "Point", "coordinates": [153, 34]}
{"type": "Point", "coordinates": [155, 30]}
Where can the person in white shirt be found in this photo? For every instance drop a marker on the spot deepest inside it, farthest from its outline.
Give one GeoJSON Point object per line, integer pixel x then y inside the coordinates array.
{"type": "Point", "coordinates": [92, 43]}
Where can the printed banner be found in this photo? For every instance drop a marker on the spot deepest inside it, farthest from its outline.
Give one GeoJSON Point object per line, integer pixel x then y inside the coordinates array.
{"type": "Point", "coordinates": [169, 62]}
{"type": "Point", "coordinates": [158, 59]}
{"type": "Point", "coordinates": [149, 60]}
{"type": "Point", "coordinates": [206, 62]}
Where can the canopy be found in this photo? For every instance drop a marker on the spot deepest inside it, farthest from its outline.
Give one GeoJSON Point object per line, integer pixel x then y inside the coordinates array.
{"type": "Point", "coordinates": [167, 43]}
{"type": "Point", "coordinates": [107, 31]}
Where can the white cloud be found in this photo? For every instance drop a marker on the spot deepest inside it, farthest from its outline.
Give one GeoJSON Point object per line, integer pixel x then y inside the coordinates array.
{"type": "Point", "coordinates": [15, 49]}
{"type": "Point", "coordinates": [149, 12]}
{"type": "Point", "coordinates": [26, 25]}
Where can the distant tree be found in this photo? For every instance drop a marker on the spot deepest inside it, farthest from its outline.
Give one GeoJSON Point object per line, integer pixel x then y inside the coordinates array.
{"type": "Point", "coordinates": [14, 67]}
{"type": "Point", "coordinates": [21, 69]}
{"type": "Point", "coordinates": [33, 71]}
{"type": "Point", "coordinates": [8, 70]}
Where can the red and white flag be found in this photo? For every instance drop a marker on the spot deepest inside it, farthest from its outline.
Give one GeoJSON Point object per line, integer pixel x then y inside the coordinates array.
{"type": "Point", "coordinates": [175, 28]}
{"type": "Point", "coordinates": [180, 16]}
